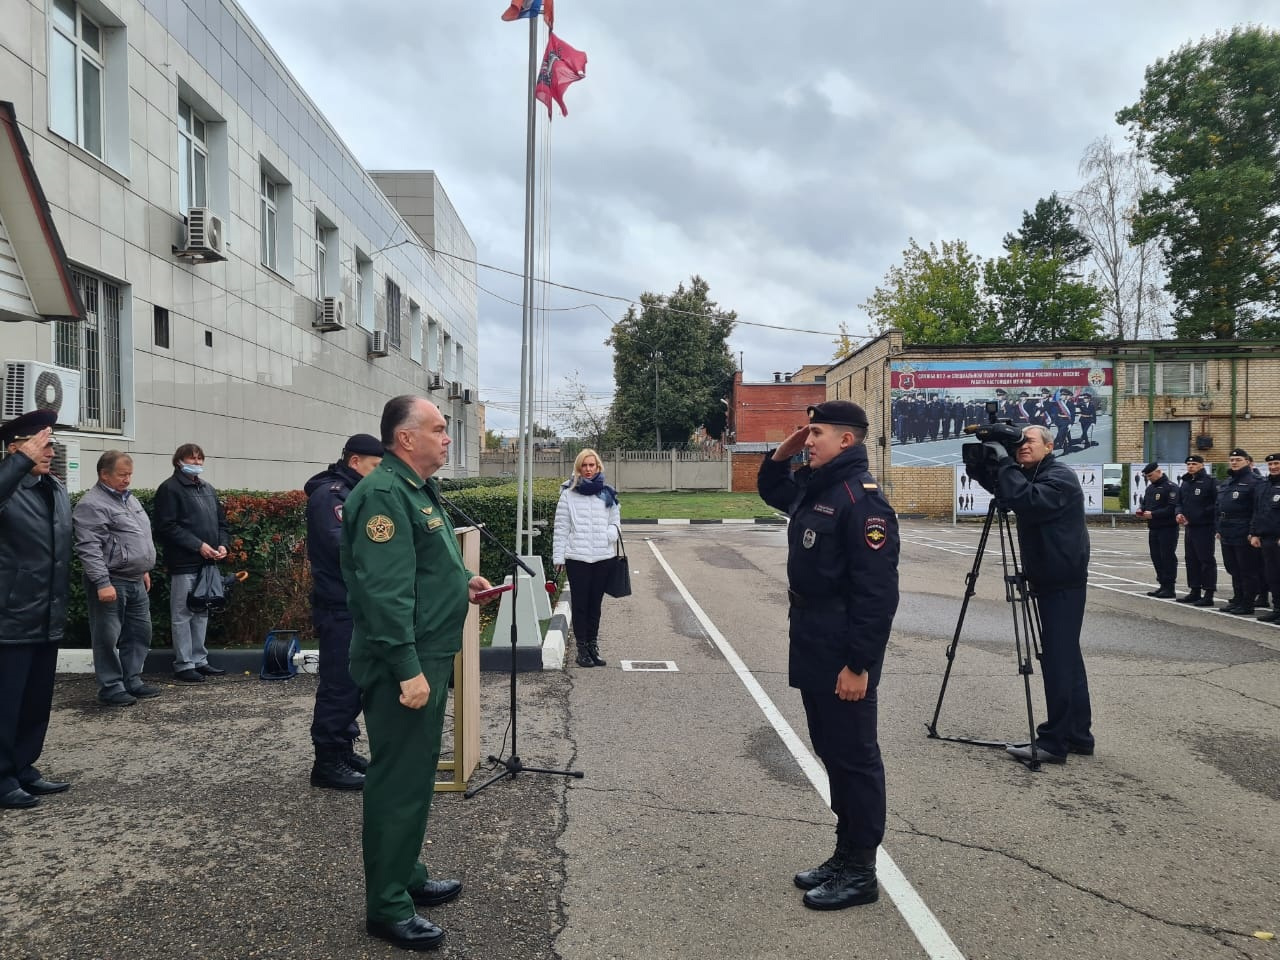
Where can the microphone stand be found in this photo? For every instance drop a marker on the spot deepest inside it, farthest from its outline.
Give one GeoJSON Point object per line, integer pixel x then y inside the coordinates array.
{"type": "Point", "coordinates": [512, 765]}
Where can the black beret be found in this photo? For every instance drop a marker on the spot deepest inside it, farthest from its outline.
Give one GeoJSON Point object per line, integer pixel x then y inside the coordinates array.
{"type": "Point", "coordinates": [1273, 457]}
{"type": "Point", "coordinates": [1240, 452]}
{"type": "Point", "coordinates": [27, 425]}
{"type": "Point", "coordinates": [1150, 468]}
{"type": "Point", "coordinates": [363, 444]}
{"type": "Point", "coordinates": [843, 412]}
{"type": "Point", "coordinates": [1194, 458]}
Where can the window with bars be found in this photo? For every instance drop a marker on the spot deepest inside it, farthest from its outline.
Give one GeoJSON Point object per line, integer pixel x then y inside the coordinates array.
{"type": "Point", "coordinates": [93, 348]}
{"type": "Point", "coordinates": [1173, 378]}
{"type": "Point", "coordinates": [393, 314]}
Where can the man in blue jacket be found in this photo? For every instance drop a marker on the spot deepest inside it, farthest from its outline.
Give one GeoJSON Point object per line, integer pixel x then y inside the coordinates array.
{"type": "Point", "coordinates": [842, 577]}
{"type": "Point", "coordinates": [1197, 508]}
{"type": "Point", "coordinates": [1160, 510]}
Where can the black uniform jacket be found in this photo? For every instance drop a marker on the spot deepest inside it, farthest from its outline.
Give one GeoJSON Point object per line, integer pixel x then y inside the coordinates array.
{"type": "Point", "coordinates": [1198, 498]}
{"type": "Point", "coordinates": [187, 513]}
{"type": "Point", "coordinates": [1235, 506]}
{"type": "Point", "coordinates": [1161, 498]}
{"type": "Point", "coordinates": [35, 554]}
{"type": "Point", "coordinates": [326, 492]}
{"type": "Point", "coordinates": [1266, 510]}
{"type": "Point", "coordinates": [842, 565]}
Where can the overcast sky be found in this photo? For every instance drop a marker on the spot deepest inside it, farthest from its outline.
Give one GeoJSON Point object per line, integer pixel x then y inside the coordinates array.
{"type": "Point", "coordinates": [784, 151]}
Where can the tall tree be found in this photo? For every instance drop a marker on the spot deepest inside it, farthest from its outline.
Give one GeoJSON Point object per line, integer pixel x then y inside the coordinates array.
{"type": "Point", "coordinates": [844, 344]}
{"type": "Point", "coordinates": [671, 366]}
{"type": "Point", "coordinates": [1208, 120]}
{"type": "Point", "coordinates": [582, 415]}
{"type": "Point", "coordinates": [1050, 231]}
{"type": "Point", "coordinates": [934, 296]}
{"type": "Point", "coordinates": [1031, 298]}
{"type": "Point", "coordinates": [1128, 272]}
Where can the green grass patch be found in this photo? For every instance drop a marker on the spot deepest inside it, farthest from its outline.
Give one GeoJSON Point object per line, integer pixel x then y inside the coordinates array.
{"type": "Point", "coordinates": [693, 505]}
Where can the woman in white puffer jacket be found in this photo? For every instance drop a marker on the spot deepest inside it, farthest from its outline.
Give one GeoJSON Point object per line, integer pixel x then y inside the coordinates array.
{"type": "Point", "coordinates": [587, 528]}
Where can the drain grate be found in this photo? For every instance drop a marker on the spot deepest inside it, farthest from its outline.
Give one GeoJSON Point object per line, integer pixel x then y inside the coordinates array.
{"type": "Point", "coordinates": [651, 666]}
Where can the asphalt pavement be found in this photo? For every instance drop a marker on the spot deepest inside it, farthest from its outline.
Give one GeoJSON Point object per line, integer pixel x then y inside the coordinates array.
{"type": "Point", "coordinates": [191, 830]}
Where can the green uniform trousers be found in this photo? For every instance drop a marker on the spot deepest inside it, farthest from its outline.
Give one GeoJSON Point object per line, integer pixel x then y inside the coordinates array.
{"type": "Point", "coordinates": [404, 749]}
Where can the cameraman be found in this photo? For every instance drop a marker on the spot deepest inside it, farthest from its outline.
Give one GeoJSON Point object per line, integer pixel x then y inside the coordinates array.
{"type": "Point", "coordinates": [1025, 477]}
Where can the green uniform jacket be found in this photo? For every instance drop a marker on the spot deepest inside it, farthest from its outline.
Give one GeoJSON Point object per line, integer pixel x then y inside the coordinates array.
{"type": "Point", "coordinates": [406, 582]}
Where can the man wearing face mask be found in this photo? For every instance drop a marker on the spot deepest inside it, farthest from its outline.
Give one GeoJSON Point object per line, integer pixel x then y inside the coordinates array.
{"type": "Point", "coordinates": [191, 526]}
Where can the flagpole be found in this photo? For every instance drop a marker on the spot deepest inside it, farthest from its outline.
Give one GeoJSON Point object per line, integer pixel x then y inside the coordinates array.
{"type": "Point", "coordinates": [526, 338]}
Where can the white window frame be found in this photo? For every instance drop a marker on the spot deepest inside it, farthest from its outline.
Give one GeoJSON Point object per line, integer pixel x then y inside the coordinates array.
{"type": "Point", "coordinates": [364, 290]}
{"type": "Point", "coordinates": [395, 330]}
{"type": "Point", "coordinates": [268, 221]}
{"type": "Point", "coordinates": [98, 349]}
{"type": "Point", "coordinates": [1197, 378]}
{"type": "Point", "coordinates": [86, 57]}
{"type": "Point", "coordinates": [322, 257]}
{"type": "Point", "coordinates": [193, 157]}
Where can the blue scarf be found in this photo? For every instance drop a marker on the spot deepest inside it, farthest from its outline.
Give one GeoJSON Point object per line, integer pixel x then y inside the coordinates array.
{"type": "Point", "coordinates": [596, 487]}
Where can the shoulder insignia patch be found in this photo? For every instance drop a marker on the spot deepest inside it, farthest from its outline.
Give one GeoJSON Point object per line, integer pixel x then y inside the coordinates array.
{"type": "Point", "coordinates": [380, 529]}
{"type": "Point", "coordinates": [823, 508]}
{"type": "Point", "coordinates": [876, 532]}
{"type": "Point", "coordinates": [337, 511]}
{"type": "Point", "coordinates": [870, 486]}
{"type": "Point", "coordinates": [435, 522]}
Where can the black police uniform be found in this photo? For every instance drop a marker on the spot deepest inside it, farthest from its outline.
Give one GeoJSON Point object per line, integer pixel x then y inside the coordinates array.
{"type": "Point", "coordinates": [1198, 505]}
{"type": "Point", "coordinates": [1086, 416]}
{"type": "Point", "coordinates": [1235, 512]}
{"type": "Point", "coordinates": [842, 574]}
{"type": "Point", "coordinates": [333, 724]}
{"type": "Point", "coordinates": [1266, 527]}
{"type": "Point", "coordinates": [1160, 499]}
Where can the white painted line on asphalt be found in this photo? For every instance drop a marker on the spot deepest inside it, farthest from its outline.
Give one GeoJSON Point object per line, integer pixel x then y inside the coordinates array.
{"type": "Point", "coordinates": [926, 927]}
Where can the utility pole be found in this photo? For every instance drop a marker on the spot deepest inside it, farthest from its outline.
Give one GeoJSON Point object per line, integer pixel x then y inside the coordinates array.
{"type": "Point", "coordinates": [657, 431]}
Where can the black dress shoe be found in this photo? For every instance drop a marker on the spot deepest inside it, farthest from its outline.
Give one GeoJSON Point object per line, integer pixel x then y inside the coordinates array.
{"type": "Point", "coordinates": [209, 670]}
{"type": "Point", "coordinates": [817, 876]}
{"type": "Point", "coordinates": [42, 787]}
{"type": "Point", "coordinates": [191, 675]}
{"type": "Point", "coordinates": [416, 933]}
{"type": "Point", "coordinates": [1205, 601]}
{"type": "Point", "coordinates": [435, 892]}
{"type": "Point", "coordinates": [1083, 749]}
{"type": "Point", "coordinates": [144, 691]}
{"type": "Point", "coordinates": [855, 884]}
{"type": "Point", "coordinates": [1023, 752]}
{"type": "Point", "coordinates": [120, 698]}
{"type": "Point", "coordinates": [18, 800]}
{"type": "Point", "coordinates": [1191, 597]}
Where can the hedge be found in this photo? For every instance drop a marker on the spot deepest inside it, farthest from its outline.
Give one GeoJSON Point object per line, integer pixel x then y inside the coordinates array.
{"type": "Point", "coordinates": [268, 541]}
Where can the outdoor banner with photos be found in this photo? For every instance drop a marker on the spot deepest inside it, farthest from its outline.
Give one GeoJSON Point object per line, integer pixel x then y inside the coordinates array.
{"type": "Point", "coordinates": [972, 500]}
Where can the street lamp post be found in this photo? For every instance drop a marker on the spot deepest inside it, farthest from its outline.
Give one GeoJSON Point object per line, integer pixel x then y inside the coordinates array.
{"type": "Point", "coordinates": [657, 431]}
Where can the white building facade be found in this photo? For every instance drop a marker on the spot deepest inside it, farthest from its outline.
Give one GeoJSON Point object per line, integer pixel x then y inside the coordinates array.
{"type": "Point", "coordinates": [248, 286]}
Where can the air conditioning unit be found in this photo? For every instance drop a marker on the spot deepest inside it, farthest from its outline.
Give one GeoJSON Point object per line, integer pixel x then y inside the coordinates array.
{"type": "Point", "coordinates": [39, 386]}
{"type": "Point", "coordinates": [1205, 404]}
{"type": "Point", "coordinates": [434, 381]}
{"type": "Point", "coordinates": [66, 463]}
{"type": "Point", "coordinates": [204, 236]}
{"type": "Point", "coordinates": [467, 396]}
{"type": "Point", "coordinates": [378, 344]}
{"type": "Point", "coordinates": [455, 390]}
{"type": "Point", "coordinates": [329, 315]}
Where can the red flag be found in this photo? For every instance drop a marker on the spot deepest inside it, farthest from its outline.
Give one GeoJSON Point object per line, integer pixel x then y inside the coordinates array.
{"type": "Point", "coordinates": [522, 10]}
{"type": "Point", "coordinates": [561, 66]}
{"type": "Point", "coordinates": [549, 13]}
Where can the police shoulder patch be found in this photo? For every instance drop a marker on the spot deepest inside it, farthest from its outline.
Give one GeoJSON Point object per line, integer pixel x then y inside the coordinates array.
{"type": "Point", "coordinates": [380, 529]}
{"type": "Point", "coordinates": [337, 511]}
{"type": "Point", "coordinates": [870, 486]}
{"type": "Point", "coordinates": [876, 532]}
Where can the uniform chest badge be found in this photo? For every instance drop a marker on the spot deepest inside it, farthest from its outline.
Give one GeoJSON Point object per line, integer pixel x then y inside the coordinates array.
{"type": "Point", "coordinates": [1159, 496]}
{"type": "Point", "coordinates": [1235, 494]}
{"type": "Point", "coordinates": [876, 532]}
{"type": "Point", "coordinates": [1275, 498]}
{"type": "Point", "coordinates": [1197, 491]}
{"type": "Point", "coordinates": [380, 529]}
{"type": "Point", "coordinates": [435, 522]}
{"type": "Point", "coordinates": [823, 508]}
{"type": "Point", "coordinates": [809, 539]}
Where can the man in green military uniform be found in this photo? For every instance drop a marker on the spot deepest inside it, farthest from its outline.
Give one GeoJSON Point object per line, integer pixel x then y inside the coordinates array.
{"type": "Point", "coordinates": [408, 590]}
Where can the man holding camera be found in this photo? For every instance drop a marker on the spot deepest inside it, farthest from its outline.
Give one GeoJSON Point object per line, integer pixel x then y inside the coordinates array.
{"type": "Point", "coordinates": [1045, 496]}
{"type": "Point", "coordinates": [1160, 510]}
{"type": "Point", "coordinates": [842, 577]}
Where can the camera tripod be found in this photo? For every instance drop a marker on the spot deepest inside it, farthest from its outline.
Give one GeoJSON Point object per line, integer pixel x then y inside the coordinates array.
{"type": "Point", "coordinates": [1026, 624]}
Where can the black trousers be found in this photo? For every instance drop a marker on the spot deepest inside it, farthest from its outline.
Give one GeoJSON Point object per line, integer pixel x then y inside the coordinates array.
{"type": "Point", "coordinates": [1202, 565]}
{"type": "Point", "coordinates": [1244, 563]}
{"type": "Point", "coordinates": [26, 696]}
{"type": "Point", "coordinates": [586, 593]}
{"type": "Point", "coordinates": [1271, 569]}
{"type": "Point", "coordinates": [1163, 544]}
{"type": "Point", "coordinates": [333, 723]}
{"type": "Point", "coordinates": [843, 734]}
{"type": "Point", "coordinates": [1066, 685]}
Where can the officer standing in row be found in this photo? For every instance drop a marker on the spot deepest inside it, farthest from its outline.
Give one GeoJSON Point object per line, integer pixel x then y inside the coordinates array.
{"type": "Point", "coordinates": [842, 576]}
{"type": "Point", "coordinates": [1160, 510]}
{"type": "Point", "coordinates": [1197, 507]}
{"type": "Point", "coordinates": [1086, 416]}
{"type": "Point", "coordinates": [333, 724]}
{"type": "Point", "coordinates": [1265, 533]}
{"type": "Point", "coordinates": [1235, 513]}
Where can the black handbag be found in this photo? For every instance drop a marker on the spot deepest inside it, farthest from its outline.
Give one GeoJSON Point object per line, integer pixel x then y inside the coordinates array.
{"type": "Point", "coordinates": [208, 592]}
{"type": "Point", "coordinates": [618, 581]}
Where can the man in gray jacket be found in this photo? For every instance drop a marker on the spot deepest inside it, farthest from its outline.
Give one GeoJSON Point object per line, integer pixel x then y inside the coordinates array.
{"type": "Point", "coordinates": [113, 542]}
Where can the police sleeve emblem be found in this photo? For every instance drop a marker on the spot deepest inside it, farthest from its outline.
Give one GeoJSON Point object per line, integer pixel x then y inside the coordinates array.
{"type": "Point", "coordinates": [809, 539]}
{"type": "Point", "coordinates": [380, 529]}
{"type": "Point", "coordinates": [337, 511]}
{"type": "Point", "coordinates": [876, 532]}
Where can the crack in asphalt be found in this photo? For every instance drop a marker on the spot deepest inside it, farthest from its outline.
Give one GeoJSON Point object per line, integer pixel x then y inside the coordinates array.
{"type": "Point", "coordinates": [701, 812]}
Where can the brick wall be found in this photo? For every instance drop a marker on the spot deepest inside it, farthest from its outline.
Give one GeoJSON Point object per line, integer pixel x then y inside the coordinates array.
{"type": "Point", "coordinates": [770, 412]}
{"type": "Point", "coordinates": [745, 468]}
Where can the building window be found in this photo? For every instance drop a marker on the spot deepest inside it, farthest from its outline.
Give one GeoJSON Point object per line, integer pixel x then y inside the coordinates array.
{"type": "Point", "coordinates": [415, 332]}
{"type": "Point", "coordinates": [93, 348]}
{"type": "Point", "coordinates": [393, 314]}
{"type": "Point", "coordinates": [433, 345]}
{"type": "Point", "coordinates": [160, 324]}
{"type": "Point", "coordinates": [77, 66]}
{"type": "Point", "coordinates": [1173, 378]}
{"type": "Point", "coordinates": [268, 220]}
{"type": "Point", "coordinates": [193, 159]}
{"type": "Point", "coordinates": [364, 290]}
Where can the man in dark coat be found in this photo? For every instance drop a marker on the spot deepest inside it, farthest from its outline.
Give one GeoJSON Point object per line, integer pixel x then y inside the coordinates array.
{"type": "Point", "coordinates": [333, 724]}
{"type": "Point", "coordinates": [1086, 416]}
{"type": "Point", "coordinates": [1160, 510]}
{"type": "Point", "coordinates": [1197, 508]}
{"type": "Point", "coordinates": [1264, 534]}
{"type": "Point", "coordinates": [1235, 512]}
{"type": "Point", "coordinates": [35, 567]}
{"type": "Point", "coordinates": [842, 576]}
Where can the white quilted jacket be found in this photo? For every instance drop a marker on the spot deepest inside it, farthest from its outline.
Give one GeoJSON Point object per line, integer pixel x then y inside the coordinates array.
{"type": "Point", "coordinates": [585, 528]}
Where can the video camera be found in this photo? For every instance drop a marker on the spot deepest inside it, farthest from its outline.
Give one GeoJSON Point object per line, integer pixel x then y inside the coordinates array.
{"type": "Point", "coordinates": [1002, 432]}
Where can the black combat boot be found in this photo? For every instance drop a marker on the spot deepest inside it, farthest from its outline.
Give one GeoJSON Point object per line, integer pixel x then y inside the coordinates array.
{"type": "Point", "coordinates": [817, 876]}
{"type": "Point", "coordinates": [584, 657]}
{"type": "Point", "coordinates": [356, 762]}
{"type": "Point", "coordinates": [854, 881]}
{"type": "Point", "coordinates": [593, 651]}
{"type": "Point", "coordinates": [1205, 601]}
{"type": "Point", "coordinates": [332, 772]}
{"type": "Point", "coordinates": [1192, 597]}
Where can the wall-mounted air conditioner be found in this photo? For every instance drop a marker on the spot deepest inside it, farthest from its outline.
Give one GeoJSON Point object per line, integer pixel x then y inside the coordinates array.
{"type": "Point", "coordinates": [66, 462]}
{"type": "Point", "coordinates": [329, 315]}
{"type": "Point", "coordinates": [434, 381]}
{"type": "Point", "coordinates": [39, 386]}
{"type": "Point", "coordinates": [378, 344]}
{"type": "Point", "coordinates": [455, 390]}
{"type": "Point", "coordinates": [204, 240]}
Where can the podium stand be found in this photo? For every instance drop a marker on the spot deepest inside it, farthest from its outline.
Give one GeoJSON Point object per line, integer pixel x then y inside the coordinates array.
{"type": "Point", "coordinates": [466, 684]}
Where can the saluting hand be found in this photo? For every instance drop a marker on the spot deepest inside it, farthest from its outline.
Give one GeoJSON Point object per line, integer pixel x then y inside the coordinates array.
{"type": "Point", "coordinates": [34, 446]}
{"type": "Point", "coordinates": [792, 445]}
{"type": "Point", "coordinates": [414, 693]}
